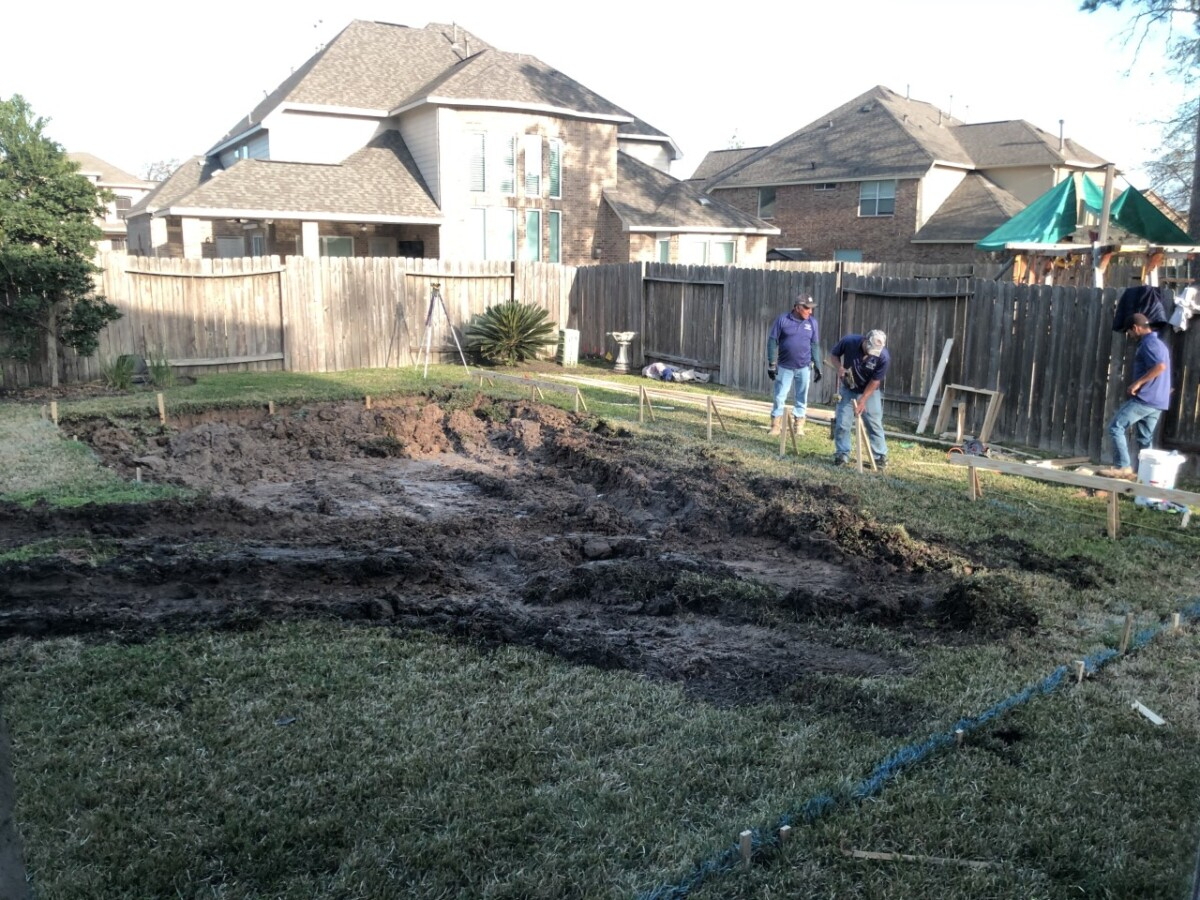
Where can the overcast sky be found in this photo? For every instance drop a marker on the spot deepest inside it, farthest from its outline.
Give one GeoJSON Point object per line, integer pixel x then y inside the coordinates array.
{"type": "Point", "coordinates": [157, 81]}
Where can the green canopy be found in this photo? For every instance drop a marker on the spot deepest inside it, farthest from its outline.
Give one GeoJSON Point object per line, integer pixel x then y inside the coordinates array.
{"type": "Point", "coordinates": [1133, 212]}
{"type": "Point", "coordinates": [1051, 217]}
{"type": "Point", "coordinates": [1046, 220]}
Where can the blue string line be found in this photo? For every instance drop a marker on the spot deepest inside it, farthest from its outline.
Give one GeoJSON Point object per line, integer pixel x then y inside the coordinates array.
{"type": "Point", "coordinates": [892, 766]}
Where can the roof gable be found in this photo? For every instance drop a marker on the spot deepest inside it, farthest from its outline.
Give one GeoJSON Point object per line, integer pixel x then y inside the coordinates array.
{"type": "Point", "coordinates": [973, 209]}
{"type": "Point", "coordinates": [648, 199]}
{"type": "Point", "coordinates": [878, 134]}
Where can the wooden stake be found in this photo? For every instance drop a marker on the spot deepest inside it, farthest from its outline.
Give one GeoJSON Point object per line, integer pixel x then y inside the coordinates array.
{"type": "Point", "coordinates": [744, 845]}
{"type": "Point", "coordinates": [162, 410]}
{"type": "Point", "coordinates": [579, 398]}
{"type": "Point", "coordinates": [1127, 634]}
{"type": "Point", "coordinates": [1176, 623]}
{"type": "Point", "coordinates": [54, 411]}
{"type": "Point", "coordinates": [641, 404]}
{"type": "Point", "coordinates": [137, 474]}
{"type": "Point", "coordinates": [649, 405]}
{"type": "Point", "coordinates": [1080, 671]}
{"type": "Point", "coordinates": [717, 413]}
{"type": "Point", "coordinates": [270, 407]}
{"type": "Point", "coordinates": [1114, 514]}
{"type": "Point", "coordinates": [709, 408]}
{"type": "Point", "coordinates": [785, 834]}
{"type": "Point", "coordinates": [367, 401]}
{"type": "Point", "coordinates": [959, 735]}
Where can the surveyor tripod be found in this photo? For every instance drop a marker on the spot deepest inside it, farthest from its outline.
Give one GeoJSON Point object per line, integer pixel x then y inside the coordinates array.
{"type": "Point", "coordinates": [435, 300]}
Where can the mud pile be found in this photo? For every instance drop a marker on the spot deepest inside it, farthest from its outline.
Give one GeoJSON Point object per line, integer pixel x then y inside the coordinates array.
{"type": "Point", "coordinates": [498, 522]}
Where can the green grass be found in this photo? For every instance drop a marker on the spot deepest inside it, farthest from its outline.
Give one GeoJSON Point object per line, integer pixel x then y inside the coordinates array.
{"type": "Point", "coordinates": [413, 766]}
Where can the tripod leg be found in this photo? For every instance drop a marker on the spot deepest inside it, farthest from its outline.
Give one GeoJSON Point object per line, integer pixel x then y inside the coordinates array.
{"type": "Point", "coordinates": [461, 356]}
{"type": "Point", "coordinates": [428, 336]}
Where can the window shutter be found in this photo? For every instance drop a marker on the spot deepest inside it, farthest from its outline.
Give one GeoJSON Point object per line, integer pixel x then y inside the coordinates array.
{"type": "Point", "coordinates": [508, 165]}
{"type": "Point", "coordinates": [477, 172]}
{"type": "Point", "coordinates": [555, 169]}
{"type": "Point", "coordinates": [554, 237]}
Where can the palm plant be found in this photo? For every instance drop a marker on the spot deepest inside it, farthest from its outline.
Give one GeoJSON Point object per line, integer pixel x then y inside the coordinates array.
{"type": "Point", "coordinates": [510, 333]}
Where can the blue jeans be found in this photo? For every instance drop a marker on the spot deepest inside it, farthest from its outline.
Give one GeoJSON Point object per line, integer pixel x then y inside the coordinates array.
{"type": "Point", "coordinates": [783, 383]}
{"type": "Point", "coordinates": [1132, 412]}
{"type": "Point", "coordinates": [872, 417]}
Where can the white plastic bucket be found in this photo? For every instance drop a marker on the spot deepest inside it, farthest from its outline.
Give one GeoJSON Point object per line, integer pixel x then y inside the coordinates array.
{"type": "Point", "coordinates": [1159, 468]}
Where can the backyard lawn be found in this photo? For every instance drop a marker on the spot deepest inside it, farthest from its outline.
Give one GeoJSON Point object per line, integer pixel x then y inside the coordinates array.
{"type": "Point", "coordinates": [370, 635]}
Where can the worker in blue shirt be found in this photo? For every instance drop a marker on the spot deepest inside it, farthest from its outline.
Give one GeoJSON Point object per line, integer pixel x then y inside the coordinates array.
{"type": "Point", "coordinates": [793, 358]}
{"type": "Point", "coordinates": [862, 361]}
{"type": "Point", "coordinates": [1148, 394]}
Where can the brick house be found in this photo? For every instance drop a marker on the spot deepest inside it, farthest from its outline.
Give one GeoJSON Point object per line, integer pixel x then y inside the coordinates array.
{"type": "Point", "coordinates": [886, 178]}
{"type": "Point", "coordinates": [127, 190]}
{"type": "Point", "coordinates": [429, 142]}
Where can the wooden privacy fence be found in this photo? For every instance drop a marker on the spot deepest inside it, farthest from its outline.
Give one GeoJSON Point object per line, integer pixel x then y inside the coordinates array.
{"type": "Point", "coordinates": [1050, 350]}
{"type": "Point", "coordinates": [298, 314]}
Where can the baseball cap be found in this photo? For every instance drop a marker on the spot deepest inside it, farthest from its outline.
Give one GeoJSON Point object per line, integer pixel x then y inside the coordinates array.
{"type": "Point", "coordinates": [875, 341]}
{"type": "Point", "coordinates": [804, 300]}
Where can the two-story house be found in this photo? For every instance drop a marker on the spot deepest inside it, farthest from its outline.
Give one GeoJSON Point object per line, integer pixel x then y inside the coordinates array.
{"type": "Point", "coordinates": [429, 142]}
{"type": "Point", "coordinates": [887, 178]}
{"type": "Point", "coordinates": [126, 190]}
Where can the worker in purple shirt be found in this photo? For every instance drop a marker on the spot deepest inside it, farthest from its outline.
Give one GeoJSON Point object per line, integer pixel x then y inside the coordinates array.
{"type": "Point", "coordinates": [1148, 394]}
{"type": "Point", "coordinates": [793, 358]}
{"type": "Point", "coordinates": [862, 361]}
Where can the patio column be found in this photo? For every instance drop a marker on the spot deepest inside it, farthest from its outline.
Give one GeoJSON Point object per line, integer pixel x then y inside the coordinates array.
{"type": "Point", "coordinates": [310, 240]}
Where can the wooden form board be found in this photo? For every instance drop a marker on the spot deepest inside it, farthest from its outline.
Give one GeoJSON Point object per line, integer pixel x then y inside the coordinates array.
{"type": "Point", "coordinates": [1115, 487]}
{"type": "Point", "coordinates": [937, 383]}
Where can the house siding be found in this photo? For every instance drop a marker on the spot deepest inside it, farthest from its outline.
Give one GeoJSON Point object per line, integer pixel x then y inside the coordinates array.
{"type": "Point", "coordinates": [651, 153]}
{"type": "Point", "coordinates": [823, 222]}
{"type": "Point", "coordinates": [419, 129]}
{"type": "Point", "coordinates": [589, 165]}
{"type": "Point", "coordinates": [315, 138]}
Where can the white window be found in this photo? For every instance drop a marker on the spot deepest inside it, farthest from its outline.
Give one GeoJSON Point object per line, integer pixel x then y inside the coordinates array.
{"type": "Point", "coordinates": [531, 146]}
{"type": "Point", "coordinates": [664, 250]}
{"type": "Point", "coordinates": [877, 198]}
{"type": "Point", "coordinates": [699, 251]}
{"type": "Point", "coordinates": [502, 233]}
{"type": "Point", "coordinates": [337, 246]}
{"type": "Point", "coordinates": [847, 256]}
{"type": "Point", "coordinates": [507, 148]}
{"type": "Point", "coordinates": [477, 233]}
{"type": "Point", "coordinates": [531, 249]}
{"type": "Point", "coordinates": [231, 247]}
{"type": "Point", "coordinates": [766, 202]}
{"type": "Point", "coordinates": [826, 186]}
{"type": "Point", "coordinates": [555, 150]}
{"type": "Point", "coordinates": [477, 163]}
{"type": "Point", "coordinates": [721, 253]}
{"type": "Point", "coordinates": [258, 244]}
{"type": "Point", "coordinates": [554, 236]}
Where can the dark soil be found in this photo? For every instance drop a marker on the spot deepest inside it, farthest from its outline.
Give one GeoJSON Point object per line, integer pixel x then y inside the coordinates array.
{"type": "Point", "coordinates": [500, 523]}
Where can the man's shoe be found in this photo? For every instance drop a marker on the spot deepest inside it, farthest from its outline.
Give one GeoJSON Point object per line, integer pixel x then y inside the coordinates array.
{"type": "Point", "coordinates": [798, 424]}
{"type": "Point", "coordinates": [881, 462]}
{"type": "Point", "coordinates": [776, 425]}
{"type": "Point", "coordinates": [840, 460]}
{"type": "Point", "coordinates": [1125, 473]}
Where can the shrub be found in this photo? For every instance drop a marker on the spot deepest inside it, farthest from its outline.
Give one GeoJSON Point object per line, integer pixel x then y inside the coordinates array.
{"type": "Point", "coordinates": [510, 333]}
{"type": "Point", "coordinates": [159, 368]}
{"type": "Point", "coordinates": [118, 373]}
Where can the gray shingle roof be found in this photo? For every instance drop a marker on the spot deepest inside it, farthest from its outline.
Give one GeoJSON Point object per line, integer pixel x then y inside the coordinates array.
{"type": "Point", "coordinates": [107, 172]}
{"type": "Point", "coordinates": [381, 179]}
{"type": "Point", "coordinates": [880, 134]}
{"type": "Point", "coordinates": [647, 198]}
{"type": "Point", "coordinates": [184, 179]}
{"type": "Point", "coordinates": [368, 65]}
{"type": "Point", "coordinates": [716, 161]}
{"type": "Point", "coordinates": [974, 209]}
{"type": "Point", "coordinates": [1015, 142]}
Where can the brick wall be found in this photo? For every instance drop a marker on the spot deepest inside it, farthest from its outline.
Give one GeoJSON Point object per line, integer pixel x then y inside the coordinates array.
{"type": "Point", "coordinates": [823, 222]}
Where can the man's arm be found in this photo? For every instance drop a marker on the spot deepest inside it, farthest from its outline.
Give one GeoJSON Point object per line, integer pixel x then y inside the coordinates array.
{"type": "Point", "coordinates": [1146, 379]}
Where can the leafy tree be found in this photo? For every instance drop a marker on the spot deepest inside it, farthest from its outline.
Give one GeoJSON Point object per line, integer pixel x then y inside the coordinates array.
{"type": "Point", "coordinates": [510, 333]}
{"type": "Point", "coordinates": [1181, 20]}
{"type": "Point", "coordinates": [47, 235]}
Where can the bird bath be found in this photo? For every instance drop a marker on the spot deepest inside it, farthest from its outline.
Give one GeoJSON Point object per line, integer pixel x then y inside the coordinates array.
{"type": "Point", "coordinates": [623, 339]}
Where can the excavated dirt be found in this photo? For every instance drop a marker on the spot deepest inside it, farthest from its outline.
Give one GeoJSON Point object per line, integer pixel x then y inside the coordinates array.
{"type": "Point", "coordinates": [494, 522]}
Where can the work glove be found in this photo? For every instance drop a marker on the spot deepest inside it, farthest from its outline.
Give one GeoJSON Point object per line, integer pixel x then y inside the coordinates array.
{"type": "Point", "coordinates": [771, 372]}
{"type": "Point", "coordinates": [816, 373]}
